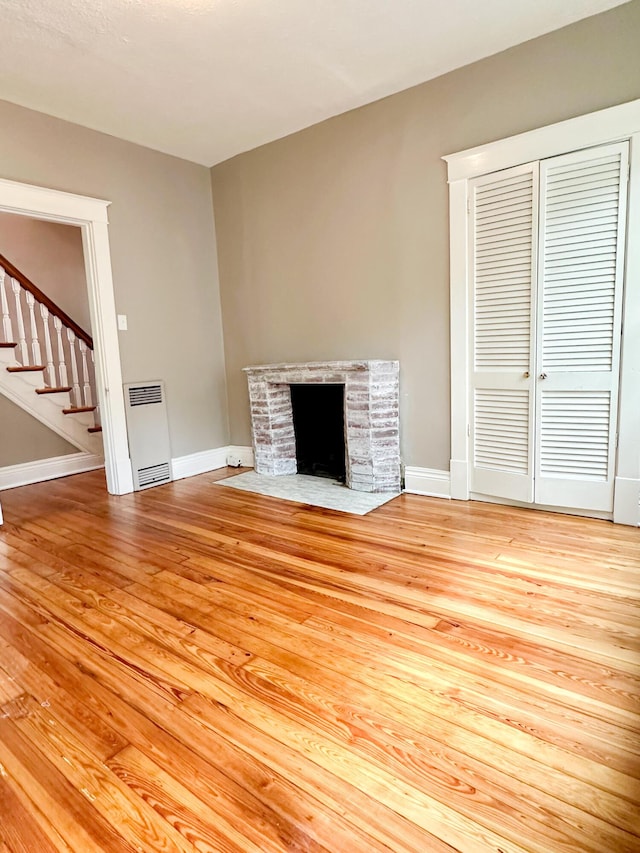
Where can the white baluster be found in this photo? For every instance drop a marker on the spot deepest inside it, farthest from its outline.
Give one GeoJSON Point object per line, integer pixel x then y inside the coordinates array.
{"type": "Point", "coordinates": [96, 415]}
{"type": "Point", "coordinates": [74, 368]}
{"type": "Point", "coordinates": [85, 375]}
{"type": "Point", "coordinates": [22, 340]}
{"type": "Point", "coordinates": [51, 371]}
{"type": "Point", "coordinates": [7, 330]}
{"type": "Point", "coordinates": [62, 367]}
{"type": "Point", "coordinates": [35, 343]}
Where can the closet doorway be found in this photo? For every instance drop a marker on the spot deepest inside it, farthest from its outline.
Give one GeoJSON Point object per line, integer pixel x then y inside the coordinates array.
{"type": "Point", "coordinates": [545, 317]}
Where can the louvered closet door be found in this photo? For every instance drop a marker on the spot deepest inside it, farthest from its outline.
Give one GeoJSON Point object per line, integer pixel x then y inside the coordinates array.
{"type": "Point", "coordinates": [582, 222]}
{"type": "Point", "coordinates": [503, 251]}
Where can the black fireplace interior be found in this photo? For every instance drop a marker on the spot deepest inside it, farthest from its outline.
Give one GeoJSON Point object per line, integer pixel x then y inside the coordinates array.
{"type": "Point", "coordinates": [318, 421]}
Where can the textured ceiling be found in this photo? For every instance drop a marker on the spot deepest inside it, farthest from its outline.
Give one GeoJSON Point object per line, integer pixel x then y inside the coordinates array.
{"type": "Point", "coordinates": [207, 79]}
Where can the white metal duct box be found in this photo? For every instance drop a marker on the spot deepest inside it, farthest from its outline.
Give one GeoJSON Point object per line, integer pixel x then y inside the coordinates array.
{"type": "Point", "coordinates": [148, 430]}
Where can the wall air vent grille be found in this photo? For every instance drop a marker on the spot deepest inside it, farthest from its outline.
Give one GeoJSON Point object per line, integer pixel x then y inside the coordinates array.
{"type": "Point", "coordinates": [154, 475]}
{"type": "Point", "coordinates": [143, 395]}
{"type": "Point", "coordinates": [148, 431]}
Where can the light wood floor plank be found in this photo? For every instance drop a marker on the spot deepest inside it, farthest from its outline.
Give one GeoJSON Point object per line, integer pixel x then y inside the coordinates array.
{"type": "Point", "coordinates": [197, 668]}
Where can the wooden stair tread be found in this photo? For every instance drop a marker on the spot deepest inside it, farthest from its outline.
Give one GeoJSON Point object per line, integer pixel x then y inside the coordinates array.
{"type": "Point", "coordinates": [94, 429]}
{"type": "Point", "coordinates": [29, 369]}
{"type": "Point", "coordinates": [59, 390]}
{"type": "Point", "coordinates": [8, 346]}
{"type": "Point", "coordinates": [75, 410]}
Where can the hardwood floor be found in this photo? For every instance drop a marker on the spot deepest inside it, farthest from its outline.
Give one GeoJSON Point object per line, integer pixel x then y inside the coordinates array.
{"type": "Point", "coordinates": [194, 668]}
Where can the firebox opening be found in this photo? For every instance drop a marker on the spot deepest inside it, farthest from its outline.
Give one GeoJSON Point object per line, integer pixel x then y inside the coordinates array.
{"type": "Point", "coordinates": [318, 423]}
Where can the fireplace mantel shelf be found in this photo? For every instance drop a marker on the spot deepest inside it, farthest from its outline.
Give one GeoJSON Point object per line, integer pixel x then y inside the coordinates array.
{"type": "Point", "coordinates": [317, 365]}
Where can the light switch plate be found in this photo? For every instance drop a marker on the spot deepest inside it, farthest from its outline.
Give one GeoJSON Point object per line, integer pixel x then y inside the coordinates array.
{"type": "Point", "coordinates": [122, 322]}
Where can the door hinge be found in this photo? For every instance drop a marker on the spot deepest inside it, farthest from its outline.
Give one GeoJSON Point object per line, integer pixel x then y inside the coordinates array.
{"type": "Point", "coordinates": [468, 430]}
{"type": "Point", "coordinates": [468, 205]}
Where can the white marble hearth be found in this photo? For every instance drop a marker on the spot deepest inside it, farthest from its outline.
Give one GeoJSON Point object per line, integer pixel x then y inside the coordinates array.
{"type": "Point", "coordinates": [371, 418]}
{"type": "Point", "coordinates": [313, 491]}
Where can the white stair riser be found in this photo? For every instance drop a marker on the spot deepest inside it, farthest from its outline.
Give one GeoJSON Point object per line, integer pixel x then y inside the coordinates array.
{"type": "Point", "coordinates": [85, 419]}
{"type": "Point", "coordinates": [33, 378]}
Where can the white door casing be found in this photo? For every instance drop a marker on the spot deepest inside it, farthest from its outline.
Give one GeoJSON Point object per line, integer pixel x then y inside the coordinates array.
{"type": "Point", "coordinates": [90, 215]}
{"type": "Point", "coordinates": [617, 123]}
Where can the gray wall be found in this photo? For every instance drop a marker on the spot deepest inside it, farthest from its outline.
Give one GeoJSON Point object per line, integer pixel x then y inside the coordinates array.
{"type": "Point", "coordinates": [25, 439]}
{"type": "Point", "coordinates": [163, 254]}
{"type": "Point", "coordinates": [333, 242]}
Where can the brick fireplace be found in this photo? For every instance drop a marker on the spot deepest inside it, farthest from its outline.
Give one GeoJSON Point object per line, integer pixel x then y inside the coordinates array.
{"type": "Point", "coordinates": [371, 418]}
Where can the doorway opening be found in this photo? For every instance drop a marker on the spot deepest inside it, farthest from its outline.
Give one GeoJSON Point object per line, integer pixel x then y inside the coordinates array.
{"type": "Point", "coordinates": [90, 215]}
{"type": "Point", "coordinates": [50, 418]}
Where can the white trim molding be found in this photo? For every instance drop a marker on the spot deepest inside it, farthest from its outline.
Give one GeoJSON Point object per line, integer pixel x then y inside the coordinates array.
{"type": "Point", "coordinates": [90, 214]}
{"type": "Point", "coordinates": [210, 460]}
{"type": "Point", "coordinates": [612, 124]}
{"type": "Point", "coordinates": [27, 473]}
{"type": "Point", "coordinates": [418, 481]}
{"type": "Point", "coordinates": [628, 469]}
{"type": "Point", "coordinates": [198, 463]}
{"type": "Point", "coordinates": [239, 456]}
{"type": "Point", "coordinates": [427, 481]}
{"type": "Point", "coordinates": [459, 320]}
{"type": "Point", "coordinates": [626, 508]}
{"type": "Point", "coordinates": [609, 125]}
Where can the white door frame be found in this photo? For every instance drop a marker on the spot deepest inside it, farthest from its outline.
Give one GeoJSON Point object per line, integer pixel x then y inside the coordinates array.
{"type": "Point", "coordinates": [610, 125]}
{"type": "Point", "coordinates": [90, 214]}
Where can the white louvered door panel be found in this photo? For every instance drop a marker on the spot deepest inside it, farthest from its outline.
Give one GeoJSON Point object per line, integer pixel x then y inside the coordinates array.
{"type": "Point", "coordinates": [503, 255]}
{"type": "Point", "coordinates": [581, 261]}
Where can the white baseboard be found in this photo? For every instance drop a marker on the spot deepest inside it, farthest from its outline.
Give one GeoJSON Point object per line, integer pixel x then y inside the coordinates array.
{"type": "Point", "coordinates": [459, 477]}
{"type": "Point", "coordinates": [237, 453]}
{"type": "Point", "coordinates": [13, 476]}
{"type": "Point", "coordinates": [210, 460]}
{"type": "Point", "coordinates": [441, 484]}
{"type": "Point", "coordinates": [427, 481]}
{"type": "Point", "coordinates": [27, 473]}
{"type": "Point", "coordinates": [626, 504]}
{"type": "Point", "coordinates": [418, 481]}
{"type": "Point", "coordinates": [199, 463]}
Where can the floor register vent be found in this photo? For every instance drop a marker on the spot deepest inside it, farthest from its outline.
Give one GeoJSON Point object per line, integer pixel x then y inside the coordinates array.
{"type": "Point", "coordinates": [148, 431]}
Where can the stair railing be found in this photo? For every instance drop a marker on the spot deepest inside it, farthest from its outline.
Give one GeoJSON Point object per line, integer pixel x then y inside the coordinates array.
{"type": "Point", "coordinates": [45, 337]}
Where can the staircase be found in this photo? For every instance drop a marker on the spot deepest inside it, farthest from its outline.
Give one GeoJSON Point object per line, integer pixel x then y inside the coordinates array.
{"type": "Point", "coordinates": [46, 362]}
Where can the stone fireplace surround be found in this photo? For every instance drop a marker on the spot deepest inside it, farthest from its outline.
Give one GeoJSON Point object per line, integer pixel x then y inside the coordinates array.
{"type": "Point", "coordinates": [371, 418]}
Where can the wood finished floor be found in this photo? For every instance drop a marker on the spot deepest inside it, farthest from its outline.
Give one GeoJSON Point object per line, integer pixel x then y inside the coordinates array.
{"type": "Point", "coordinates": [194, 668]}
